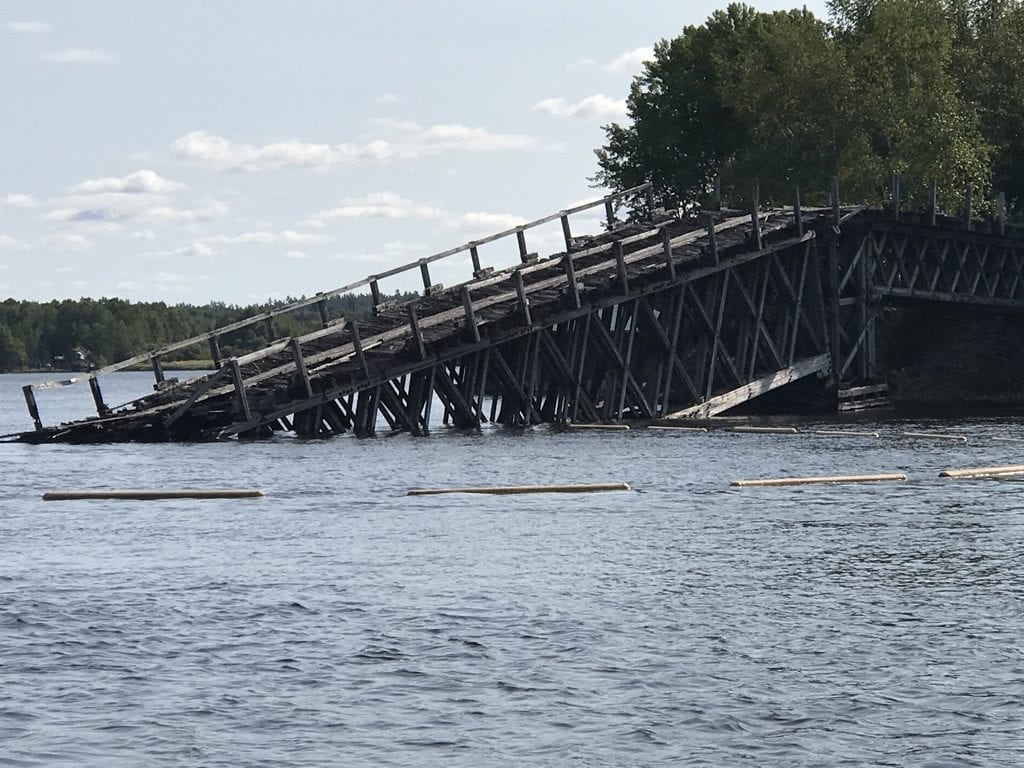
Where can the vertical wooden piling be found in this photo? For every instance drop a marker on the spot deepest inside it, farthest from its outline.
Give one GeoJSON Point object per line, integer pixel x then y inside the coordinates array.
{"type": "Point", "coordinates": [894, 197]}
{"type": "Point", "coordinates": [1001, 212]}
{"type": "Point", "coordinates": [666, 249]}
{"type": "Point", "coordinates": [620, 266]}
{"type": "Point", "coordinates": [470, 319]}
{"type": "Point", "coordinates": [357, 347]}
{"type": "Point", "coordinates": [711, 252]}
{"type": "Point", "coordinates": [375, 293]}
{"type": "Point", "coordinates": [33, 407]}
{"type": "Point", "coordinates": [300, 367]}
{"type": "Point", "coordinates": [933, 202]}
{"type": "Point", "coordinates": [97, 396]}
{"type": "Point", "coordinates": [417, 334]}
{"type": "Point", "coordinates": [521, 242]}
{"type": "Point", "coordinates": [570, 280]}
{"type": "Point", "coordinates": [321, 307]}
{"type": "Point", "coordinates": [243, 400]}
{"type": "Point", "coordinates": [524, 301]}
{"type": "Point", "coordinates": [609, 214]}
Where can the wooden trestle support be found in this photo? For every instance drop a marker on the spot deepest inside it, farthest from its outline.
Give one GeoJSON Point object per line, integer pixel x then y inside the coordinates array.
{"type": "Point", "coordinates": [665, 318]}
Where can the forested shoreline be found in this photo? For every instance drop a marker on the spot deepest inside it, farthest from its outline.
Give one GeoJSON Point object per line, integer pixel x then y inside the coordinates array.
{"type": "Point", "coordinates": [82, 334]}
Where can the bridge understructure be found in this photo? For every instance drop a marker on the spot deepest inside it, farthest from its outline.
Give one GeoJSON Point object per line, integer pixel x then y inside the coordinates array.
{"type": "Point", "coordinates": [669, 318]}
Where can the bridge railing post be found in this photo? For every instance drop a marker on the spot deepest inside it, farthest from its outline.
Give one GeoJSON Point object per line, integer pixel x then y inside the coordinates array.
{"type": "Point", "coordinates": [33, 407]}
{"type": "Point", "coordinates": [1001, 212]}
{"type": "Point", "coordinates": [894, 196]}
{"type": "Point", "coordinates": [755, 215]}
{"type": "Point", "coordinates": [798, 214]}
{"type": "Point", "coordinates": [837, 215]}
{"type": "Point", "coordinates": [933, 202]}
{"type": "Point", "coordinates": [968, 206]}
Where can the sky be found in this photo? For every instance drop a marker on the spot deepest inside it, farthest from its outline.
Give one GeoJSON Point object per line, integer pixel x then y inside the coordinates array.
{"type": "Point", "coordinates": [246, 150]}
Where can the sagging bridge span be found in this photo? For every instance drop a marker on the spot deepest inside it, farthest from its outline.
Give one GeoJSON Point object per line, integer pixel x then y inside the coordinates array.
{"type": "Point", "coordinates": [670, 317]}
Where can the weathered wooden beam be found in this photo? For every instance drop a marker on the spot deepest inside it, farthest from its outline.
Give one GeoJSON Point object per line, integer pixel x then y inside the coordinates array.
{"type": "Point", "coordinates": [933, 201]}
{"type": "Point", "coordinates": [417, 334]}
{"type": "Point", "coordinates": [196, 395]}
{"type": "Point", "coordinates": [300, 367]}
{"type": "Point", "coordinates": [609, 214]}
{"type": "Point", "coordinates": [469, 321]}
{"type": "Point", "coordinates": [566, 231]}
{"type": "Point", "coordinates": [620, 267]}
{"type": "Point", "coordinates": [572, 287]}
{"type": "Point", "coordinates": [720, 403]}
{"type": "Point", "coordinates": [524, 300]}
{"type": "Point", "coordinates": [215, 354]}
{"type": "Point", "coordinates": [33, 407]}
{"type": "Point", "coordinates": [375, 293]}
{"type": "Point", "coordinates": [158, 369]}
{"type": "Point", "coordinates": [755, 215]}
{"type": "Point", "coordinates": [711, 252]}
{"type": "Point", "coordinates": [97, 396]}
{"type": "Point", "coordinates": [357, 347]}
{"type": "Point", "coordinates": [521, 242]}
{"type": "Point", "coordinates": [894, 196]}
{"type": "Point", "coordinates": [798, 215]}
{"type": "Point", "coordinates": [837, 216]}
{"type": "Point", "coordinates": [321, 307]}
{"type": "Point", "coordinates": [474, 255]}
{"type": "Point", "coordinates": [239, 384]}
{"type": "Point", "coordinates": [666, 246]}
{"type": "Point", "coordinates": [1001, 212]}
{"type": "Point", "coordinates": [969, 206]}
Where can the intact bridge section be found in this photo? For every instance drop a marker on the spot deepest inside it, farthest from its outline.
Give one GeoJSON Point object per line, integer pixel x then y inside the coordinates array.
{"type": "Point", "coordinates": [669, 317]}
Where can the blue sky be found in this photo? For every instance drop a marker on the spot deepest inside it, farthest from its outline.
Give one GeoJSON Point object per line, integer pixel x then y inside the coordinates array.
{"type": "Point", "coordinates": [239, 150]}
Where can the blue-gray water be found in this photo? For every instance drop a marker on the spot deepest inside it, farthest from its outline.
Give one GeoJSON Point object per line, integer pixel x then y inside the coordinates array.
{"type": "Point", "coordinates": [338, 622]}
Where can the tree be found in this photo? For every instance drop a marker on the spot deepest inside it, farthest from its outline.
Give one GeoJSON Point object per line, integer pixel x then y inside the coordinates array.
{"type": "Point", "coordinates": [790, 101]}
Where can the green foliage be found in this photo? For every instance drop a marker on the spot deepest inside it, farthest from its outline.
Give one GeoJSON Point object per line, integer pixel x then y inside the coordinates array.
{"type": "Point", "coordinates": [928, 89]}
{"type": "Point", "coordinates": [95, 332]}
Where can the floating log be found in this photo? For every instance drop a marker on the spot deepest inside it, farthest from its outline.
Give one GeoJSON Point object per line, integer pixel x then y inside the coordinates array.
{"type": "Point", "coordinates": [509, 489]}
{"type": "Point", "coordinates": [154, 494]}
{"type": "Point", "coordinates": [678, 429]}
{"type": "Point", "coordinates": [766, 430]}
{"type": "Point", "coordinates": [934, 436]}
{"type": "Point", "coordinates": [599, 426]}
{"type": "Point", "coordinates": [1008, 439]}
{"type": "Point", "coordinates": [1011, 469]}
{"type": "Point", "coordinates": [778, 481]}
{"type": "Point", "coordinates": [845, 433]}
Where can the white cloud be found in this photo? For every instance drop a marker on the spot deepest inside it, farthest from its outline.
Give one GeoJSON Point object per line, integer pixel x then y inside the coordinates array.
{"type": "Point", "coordinates": [264, 237]}
{"type": "Point", "coordinates": [28, 27]}
{"type": "Point", "coordinates": [632, 62]}
{"type": "Point", "coordinates": [581, 64]}
{"type": "Point", "coordinates": [377, 205]}
{"type": "Point", "coordinates": [71, 242]}
{"type": "Point", "coordinates": [297, 255]}
{"type": "Point", "coordinates": [144, 182]}
{"type": "Point", "coordinates": [598, 105]}
{"type": "Point", "coordinates": [6, 241]}
{"type": "Point", "coordinates": [16, 200]}
{"type": "Point", "coordinates": [488, 222]}
{"type": "Point", "coordinates": [399, 140]}
{"type": "Point", "coordinates": [79, 56]}
{"type": "Point", "coordinates": [386, 98]}
{"type": "Point", "coordinates": [222, 154]}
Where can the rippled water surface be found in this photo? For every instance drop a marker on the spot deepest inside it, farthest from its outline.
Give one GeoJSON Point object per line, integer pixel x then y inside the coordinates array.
{"type": "Point", "coordinates": [339, 622]}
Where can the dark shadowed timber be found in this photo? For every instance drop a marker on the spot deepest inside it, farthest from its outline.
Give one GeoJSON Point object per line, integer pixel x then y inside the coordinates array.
{"type": "Point", "coordinates": [672, 316]}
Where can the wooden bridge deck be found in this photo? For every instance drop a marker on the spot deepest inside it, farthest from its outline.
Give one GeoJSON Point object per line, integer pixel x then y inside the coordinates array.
{"type": "Point", "coordinates": [671, 316]}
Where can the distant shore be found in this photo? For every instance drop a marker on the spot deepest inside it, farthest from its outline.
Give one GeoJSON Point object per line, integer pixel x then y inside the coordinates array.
{"type": "Point", "coordinates": [177, 365]}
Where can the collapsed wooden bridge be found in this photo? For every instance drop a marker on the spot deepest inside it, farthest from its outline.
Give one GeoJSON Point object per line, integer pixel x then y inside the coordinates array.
{"type": "Point", "coordinates": [668, 317]}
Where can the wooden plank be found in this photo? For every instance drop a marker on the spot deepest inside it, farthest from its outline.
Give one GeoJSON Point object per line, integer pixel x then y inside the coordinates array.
{"type": "Point", "coordinates": [975, 472]}
{"type": "Point", "coordinates": [934, 436]}
{"type": "Point", "coordinates": [723, 402]}
{"type": "Point", "coordinates": [138, 494]}
{"type": "Point", "coordinates": [785, 481]}
{"type": "Point", "coordinates": [515, 489]}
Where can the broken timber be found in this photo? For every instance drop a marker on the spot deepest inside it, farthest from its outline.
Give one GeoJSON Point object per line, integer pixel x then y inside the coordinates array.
{"type": "Point", "coordinates": [674, 317]}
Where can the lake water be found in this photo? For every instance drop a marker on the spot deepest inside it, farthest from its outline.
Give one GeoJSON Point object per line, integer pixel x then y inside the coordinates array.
{"type": "Point", "coordinates": [339, 622]}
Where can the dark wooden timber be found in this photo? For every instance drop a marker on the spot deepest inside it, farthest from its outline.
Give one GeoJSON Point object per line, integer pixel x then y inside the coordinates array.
{"type": "Point", "coordinates": [670, 315]}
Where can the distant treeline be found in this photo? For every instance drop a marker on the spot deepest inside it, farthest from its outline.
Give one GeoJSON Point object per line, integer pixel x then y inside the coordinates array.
{"type": "Point", "coordinates": [87, 333]}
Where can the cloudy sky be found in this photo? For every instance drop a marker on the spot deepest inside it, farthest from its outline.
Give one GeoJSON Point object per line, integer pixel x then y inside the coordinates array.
{"type": "Point", "coordinates": [239, 150]}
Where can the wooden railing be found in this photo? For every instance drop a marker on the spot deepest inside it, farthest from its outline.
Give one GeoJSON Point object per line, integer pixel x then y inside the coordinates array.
{"type": "Point", "coordinates": [610, 204]}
